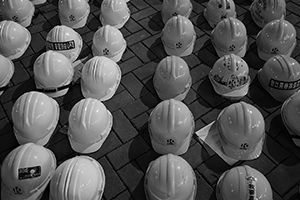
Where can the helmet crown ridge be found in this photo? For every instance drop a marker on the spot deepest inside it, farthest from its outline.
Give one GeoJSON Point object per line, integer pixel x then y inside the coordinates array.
{"type": "Point", "coordinates": [82, 113]}
{"type": "Point", "coordinates": [280, 29]}
{"type": "Point", "coordinates": [168, 112]}
{"type": "Point", "coordinates": [285, 66]}
{"type": "Point", "coordinates": [171, 68]}
{"type": "Point", "coordinates": [46, 61]}
{"type": "Point", "coordinates": [167, 175]}
{"type": "Point", "coordinates": [28, 108]}
{"type": "Point", "coordinates": [244, 117]}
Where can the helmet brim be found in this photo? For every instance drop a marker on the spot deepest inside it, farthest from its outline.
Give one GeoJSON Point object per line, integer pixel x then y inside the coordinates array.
{"type": "Point", "coordinates": [243, 154]}
{"type": "Point", "coordinates": [182, 53]}
{"type": "Point", "coordinates": [241, 53]}
{"type": "Point", "coordinates": [90, 148]}
{"type": "Point", "coordinates": [115, 58]}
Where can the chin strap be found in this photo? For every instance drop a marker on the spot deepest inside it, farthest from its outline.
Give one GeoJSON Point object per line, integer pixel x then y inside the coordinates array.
{"type": "Point", "coordinates": [52, 90]}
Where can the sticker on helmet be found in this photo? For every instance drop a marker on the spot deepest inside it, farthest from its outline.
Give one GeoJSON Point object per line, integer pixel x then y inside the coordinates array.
{"type": "Point", "coordinates": [251, 185]}
{"type": "Point", "coordinates": [284, 85]}
{"type": "Point", "coordinates": [60, 46]}
{"type": "Point", "coordinates": [29, 172]}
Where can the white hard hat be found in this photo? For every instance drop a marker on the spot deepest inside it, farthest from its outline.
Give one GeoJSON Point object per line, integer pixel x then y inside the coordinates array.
{"type": "Point", "coordinates": [241, 129]}
{"type": "Point", "coordinates": [34, 116]}
{"type": "Point", "coordinates": [172, 79]}
{"type": "Point", "coordinates": [172, 8]}
{"type": "Point", "coordinates": [100, 78]}
{"type": "Point", "coordinates": [277, 37]}
{"type": "Point", "coordinates": [243, 183]}
{"type": "Point", "coordinates": [230, 36]}
{"type": "Point", "coordinates": [53, 73]}
{"type": "Point", "coordinates": [170, 177]}
{"type": "Point", "coordinates": [38, 2]}
{"type": "Point", "coordinates": [15, 39]}
{"type": "Point", "coordinates": [263, 12]}
{"type": "Point", "coordinates": [114, 12]}
{"type": "Point", "coordinates": [7, 69]}
{"type": "Point", "coordinates": [171, 126]}
{"type": "Point", "coordinates": [290, 115]}
{"type": "Point", "coordinates": [73, 13]}
{"type": "Point", "coordinates": [26, 172]}
{"type": "Point", "coordinates": [230, 77]}
{"type": "Point", "coordinates": [280, 77]}
{"type": "Point", "coordinates": [216, 10]}
{"type": "Point", "coordinates": [178, 36]}
{"type": "Point", "coordinates": [108, 41]}
{"type": "Point", "coordinates": [78, 178]}
{"type": "Point", "coordinates": [20, 11]}
{"type": "Point", "coordinates": [89, 125]}
{"type": "Point", "coordinates": [65, 40]}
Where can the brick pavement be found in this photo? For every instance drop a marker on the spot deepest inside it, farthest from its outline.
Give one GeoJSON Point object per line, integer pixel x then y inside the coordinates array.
{"type": "Point", "coordinates": [127, 151]}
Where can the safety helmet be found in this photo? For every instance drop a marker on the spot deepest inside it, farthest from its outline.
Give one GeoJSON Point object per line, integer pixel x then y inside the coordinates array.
{"type": "Point", "coordinates": [241, 128]}
{"type": "Point", "coordinates": [34, 117]}
{"type": "Point", "coordinates": [277, 37]}
{"type": "Point", "coordinates": [53, 73]}
{"type": "Point", "coordinates": [172, 8]}
{"type": "Point", "coordinates": [171, 126]}
{"type": "Point", "coordinates": [170, 177]}
{"type": "Point", "coordinates": [73, 13]}
{"type": "Point", "coordinates": [65, 40]}
{"type": "Point", "coordinates": [100, 78]}
{"type": "Point", "coordinates": [230, 77]}
{"type": "Point", "coordinates": [243, 183]}
{"type": "Point", "coordinates": [80, 177]}
{"type": "Point", "coordinates": [114, 12]}
{"type": "Point", "coordinates": [216, 10]}
{"type": "Point", "coordinates": [89, 125]}
{"type": "Point", "coordinates": [38, 2]}
{"type": "Point", "coordinates": [14, 39]}
{"type": "Point", "coordinates": [7, 69]}
{"type": "Point", "coordinates": [108, 41]}
{"type": "Point", "coordinates": [20, 11]}
{"type": "Point", "coordinates": [280, 77]}
{"type": "Point", "coordinates": [230, 36]}
{"type": "Point", "coordinates": [290, 114]}
{"type": "Point", "coordinates": [178, 36]}
{"type": "Point", "coordinates": [26, 171]}
{"type": "Point", "coordinates": [172, 79]}
{"type": "Point", "coordinates": [264, 11]}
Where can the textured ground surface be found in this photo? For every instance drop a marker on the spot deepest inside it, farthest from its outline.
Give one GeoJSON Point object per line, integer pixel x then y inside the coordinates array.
{"type": "Point", "coordinates": [127, 151]}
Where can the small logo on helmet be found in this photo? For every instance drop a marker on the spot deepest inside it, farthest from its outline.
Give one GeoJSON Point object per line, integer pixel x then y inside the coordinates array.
{"type": "Point", "coordinates": [17, 190]}
{"type": "Point", "coordinates": [231, 47]}
{"type": "Point", "coordinates": [170, 142]}
{"type": "Point", "coordinates": [274, 50]}
{"type": "Point", "coordinates": [105, 52]}
{"type": "Point", "coordinates": [178, 45]}
{"type": "Point", "coordinates": [72, 18]}
{"type": "Point", "coordinates": [15, 18]}
{"type": "Point", "coordinates": [244, 146]}
{"type": "Point", "coordinates": [174, 14]}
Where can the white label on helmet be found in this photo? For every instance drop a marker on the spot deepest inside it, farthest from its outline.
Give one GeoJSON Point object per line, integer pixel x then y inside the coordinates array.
{"type": "Point", "coordinates": [60, 46]}
{"type": "Point", "coordinates": [284, 85]}
{"type": "Point", "coordinates": [251, 185]}
{"type": "Point", "coordinates": [29, 172]}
